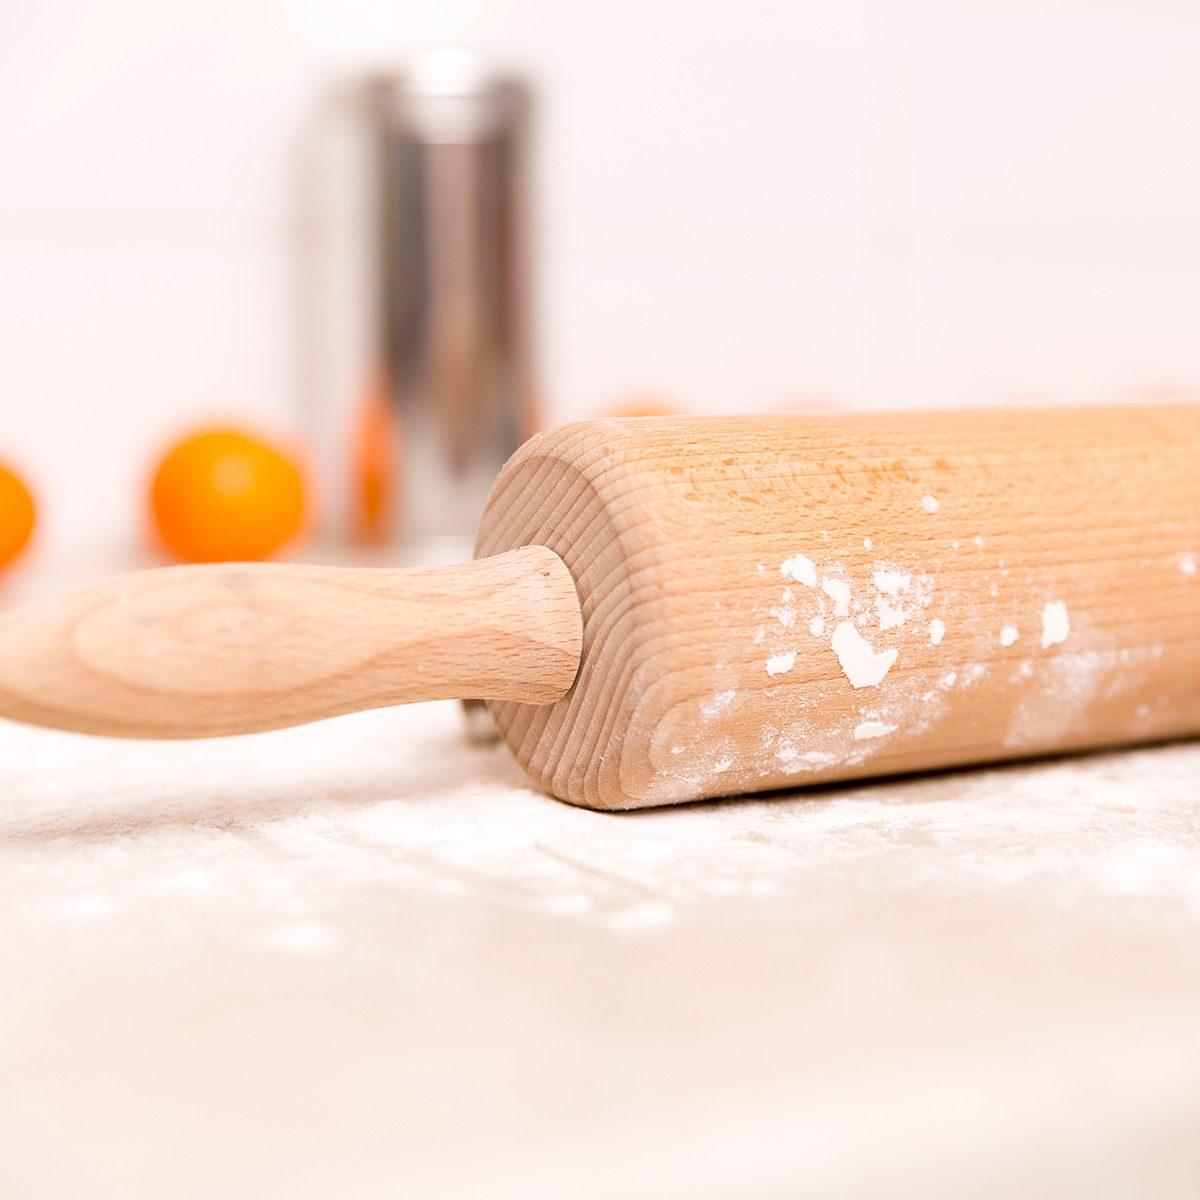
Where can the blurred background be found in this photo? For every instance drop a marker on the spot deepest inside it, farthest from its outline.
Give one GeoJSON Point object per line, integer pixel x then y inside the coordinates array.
{"type": "Point", "coordinates": [278, 277]}
{"type": "Point", "coordinates": [721, 208]}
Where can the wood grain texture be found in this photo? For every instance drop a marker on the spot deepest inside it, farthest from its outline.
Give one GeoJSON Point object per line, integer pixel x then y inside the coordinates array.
{"type": "Point", "coordinates": [204, 651]}
{"type": "Point", "coordinates": [1021, 582]}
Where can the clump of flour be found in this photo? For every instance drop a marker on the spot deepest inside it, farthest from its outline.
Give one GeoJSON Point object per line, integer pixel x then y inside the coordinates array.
{"type": "Point", "coordinates": [891, 582]}
{"type": "Point", "coordinates": [838, 590]}
{"type": "Point", "coordinates": [801, 569]}
{"type": "Point", "coordinates": [901, 595]}
{"type": "Point", "coordinates": [873, 729]}
{"type": "Point", "coordinates": [860, 662]}
{"type": "Point", "coordinates": [795, 761]}
{"type": "Point", "coordinates": [1056, 624]}
{"type": "Point", "coordinates": [781, 664]}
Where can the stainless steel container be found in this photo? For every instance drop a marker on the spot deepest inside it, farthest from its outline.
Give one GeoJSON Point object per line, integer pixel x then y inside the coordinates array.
{"type": "Point", "coordinates": [416, 339]}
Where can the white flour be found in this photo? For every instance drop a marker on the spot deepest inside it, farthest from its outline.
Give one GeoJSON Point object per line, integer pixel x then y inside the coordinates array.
{"type": "Point", "coordinates": [1056, 624]}
{"type": "Point", "coordinates": [718, 704]}
{"type": "Point", "coordinates": [839, 592]}
{"type": "Point", "coordinates": [891, 582]}
{"type": "Point", "coordinates": [873, 729]}
{"type": "Point", "coordinates": [801, 569]}
{"type": "Point", "coordinates": [285, 841]}
{"type": "Point", "coordinates": [861, 664]}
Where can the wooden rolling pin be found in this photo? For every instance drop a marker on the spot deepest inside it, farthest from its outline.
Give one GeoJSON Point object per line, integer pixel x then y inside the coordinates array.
{"type": "Point", "coordinates": [672, 609]}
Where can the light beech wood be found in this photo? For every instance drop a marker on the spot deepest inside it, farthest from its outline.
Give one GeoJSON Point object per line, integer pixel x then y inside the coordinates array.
{"type": "Point", "coordinates": [674, 609]}
{"type": "Point", "coordinates": [210, 650]}
{"type": "Point", "coordinates": [676, 531]}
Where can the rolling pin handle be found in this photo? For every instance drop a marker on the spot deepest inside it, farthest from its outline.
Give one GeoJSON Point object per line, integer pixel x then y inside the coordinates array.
{"type": "Point", "coordinates": [205, 651]}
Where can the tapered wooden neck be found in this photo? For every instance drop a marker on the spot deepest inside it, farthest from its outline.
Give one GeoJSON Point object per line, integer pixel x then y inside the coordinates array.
{"type": "Point", "coordinates": [206, 651]}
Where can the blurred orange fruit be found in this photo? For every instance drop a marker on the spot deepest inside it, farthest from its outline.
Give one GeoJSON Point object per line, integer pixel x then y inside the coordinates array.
{"type": "Point", "coordinates": [18, 515]}
{"type": "Point", "coordinates": [223, 496]}
{"type": "Point", "coordinates": [374, 463]}
{"type": "Point", "coordinates": [644, 406]}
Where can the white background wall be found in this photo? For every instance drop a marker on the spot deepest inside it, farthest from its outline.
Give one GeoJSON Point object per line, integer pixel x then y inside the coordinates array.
{"type": "Point", "coordinates": [888, 202]}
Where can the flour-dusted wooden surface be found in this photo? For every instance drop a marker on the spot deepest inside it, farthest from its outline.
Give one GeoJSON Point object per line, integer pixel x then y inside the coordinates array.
{"type": "Point", "coordinates": [366, 959]}
{"type": "Point", "coordinates": [816, 597]}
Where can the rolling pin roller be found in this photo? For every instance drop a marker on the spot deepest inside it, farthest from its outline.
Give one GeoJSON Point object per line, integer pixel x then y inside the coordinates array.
{"type": "Point", "coordinates": [668, 609]}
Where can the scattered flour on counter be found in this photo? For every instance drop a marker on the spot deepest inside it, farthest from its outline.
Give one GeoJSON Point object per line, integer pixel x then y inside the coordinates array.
{"type": "Point", "coordinates": [87, 907]}
{"type": "Point", "coordinates": [873, 729]}
{"type": "Point", "coordinates": [1187, 564]}
{"type": "Point", "coordinates": [1008, 635]}
{"type": "Point", "coordinates": [931, 504]}
{"type": "Point", "coordinates": [839, 592]}
{"type": "Point", "coordinates": [949, 679]}
{"type": "Point", "coordinates": [640, 918]}
{"type": "Point", "coordinates": [801, 569]}
{"type": "Point", "coordinates": [1056, 624]}
{"type": "Point", "coordinates": [301, 937]}
{"type": "Point", "coordinates": [937, 631]}
{"type": "Point", "coordinates": [816, 626]}
{"type": "Point", "coordinates": [867, 543]}
{"type": "Point", "coordinates": [781, 664]}
{"type": "Point", "coordinates": [861, 664]}
{"type": "Point", "coordinates": [977, 540]}
{"type": "Point", "coordinates": [759, 635]}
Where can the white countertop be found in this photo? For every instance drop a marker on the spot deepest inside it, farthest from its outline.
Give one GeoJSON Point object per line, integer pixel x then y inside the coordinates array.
{"type": "Point", "coordinates": [366, 959]}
